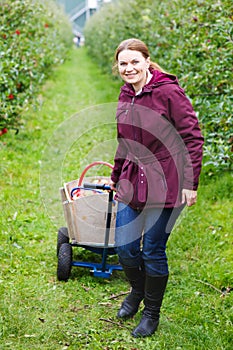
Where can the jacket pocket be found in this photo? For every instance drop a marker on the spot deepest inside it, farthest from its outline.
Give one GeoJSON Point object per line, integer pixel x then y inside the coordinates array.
{"type": "Point", "coordinates": [173, 169]}
{"type": "Point", "coordinates": [126, 183]}
{"type": "Point", "coordinates": [122, 110]}
{"type": "Point", "coordinates": [156, 185]}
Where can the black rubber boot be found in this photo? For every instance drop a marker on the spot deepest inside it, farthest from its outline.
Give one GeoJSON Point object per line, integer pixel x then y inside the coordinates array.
{"type": "Point", "coordinates": [136, 278]}
{"type": "Point", "coordinates": [154, 291]}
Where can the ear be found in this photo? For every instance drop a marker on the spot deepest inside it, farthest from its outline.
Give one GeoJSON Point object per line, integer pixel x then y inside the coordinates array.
{"type": "Point", "coordinates": [148, 62]}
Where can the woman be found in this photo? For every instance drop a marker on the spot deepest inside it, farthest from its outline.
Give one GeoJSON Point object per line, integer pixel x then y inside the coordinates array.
{"type": "Point", "coordinates": [156, 170]}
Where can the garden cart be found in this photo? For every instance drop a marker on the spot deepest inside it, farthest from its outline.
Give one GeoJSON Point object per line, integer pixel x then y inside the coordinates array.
{"type": "Point", "coordinates": [90, 214]}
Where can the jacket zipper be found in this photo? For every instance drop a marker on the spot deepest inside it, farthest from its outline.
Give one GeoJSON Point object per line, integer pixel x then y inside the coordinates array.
{"type": "Point", "coordinates": [132, 114]}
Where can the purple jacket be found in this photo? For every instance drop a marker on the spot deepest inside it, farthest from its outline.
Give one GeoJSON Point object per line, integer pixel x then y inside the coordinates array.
{"type": "Point", "coordinates": [159, 144]}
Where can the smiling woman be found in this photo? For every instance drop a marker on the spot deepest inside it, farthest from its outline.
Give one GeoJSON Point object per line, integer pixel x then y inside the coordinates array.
{"type": "Point", "coordinates": [156, 171]}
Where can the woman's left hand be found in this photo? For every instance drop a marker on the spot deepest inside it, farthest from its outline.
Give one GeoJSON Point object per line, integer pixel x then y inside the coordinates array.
{"type": "Point", "coordinates": [189, 197]}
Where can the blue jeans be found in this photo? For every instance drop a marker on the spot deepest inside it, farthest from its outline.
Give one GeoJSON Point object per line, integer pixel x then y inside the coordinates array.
{"type": "Point", "coordinates": [141, 237]}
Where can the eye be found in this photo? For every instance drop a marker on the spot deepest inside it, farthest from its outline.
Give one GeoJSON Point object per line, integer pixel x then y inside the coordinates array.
{"type": "Point", "coordinates": [122, 64]}
{"type": "Point", "coordinates": [135, 62]}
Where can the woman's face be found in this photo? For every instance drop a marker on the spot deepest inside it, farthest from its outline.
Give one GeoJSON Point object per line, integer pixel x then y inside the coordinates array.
{"type": "Point", "coordinates": [132, 66]}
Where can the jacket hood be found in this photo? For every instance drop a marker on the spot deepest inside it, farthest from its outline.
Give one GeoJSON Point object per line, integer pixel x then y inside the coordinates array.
{"type": "Point", "coordinates": [158, 79]}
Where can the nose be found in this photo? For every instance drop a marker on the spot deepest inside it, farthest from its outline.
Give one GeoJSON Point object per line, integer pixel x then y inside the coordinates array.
{"type": "Point", "coordinates": [129, 67]}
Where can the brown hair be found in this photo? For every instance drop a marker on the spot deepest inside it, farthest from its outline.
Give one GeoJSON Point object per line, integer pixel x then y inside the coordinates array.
{"type": "Point", "coordinates": [136, 45]}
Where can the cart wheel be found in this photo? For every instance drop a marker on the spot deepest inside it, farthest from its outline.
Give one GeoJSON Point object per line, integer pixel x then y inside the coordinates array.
{"type": "Point", "coordinates": [62, 237]}
{"type": "Point", "coordinates": [64, 262]}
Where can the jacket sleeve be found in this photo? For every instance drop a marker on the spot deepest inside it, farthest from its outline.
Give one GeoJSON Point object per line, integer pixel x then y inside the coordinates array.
{"type": "Point", "coordinates": [186, 123]}
{"type": "Point", "coordinates": [119, 160]}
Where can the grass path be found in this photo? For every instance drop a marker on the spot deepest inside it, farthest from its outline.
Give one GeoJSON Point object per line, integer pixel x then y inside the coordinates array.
{"type": "Point", "coordinates": [37, 311]}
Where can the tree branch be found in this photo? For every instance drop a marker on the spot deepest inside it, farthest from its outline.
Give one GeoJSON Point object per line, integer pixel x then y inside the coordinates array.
{"type": "Point", "coordinates": [115, 296]}
{"type": "Point", "coordinates": [210, 285]}
{"type": "Point", "coordinates": [112, 322]}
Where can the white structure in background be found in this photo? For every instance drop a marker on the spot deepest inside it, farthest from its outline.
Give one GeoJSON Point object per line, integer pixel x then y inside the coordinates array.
{"type": "Point", "coordinates": [86, 8]}
{"type": "Point", "coordinates": [79, 11]}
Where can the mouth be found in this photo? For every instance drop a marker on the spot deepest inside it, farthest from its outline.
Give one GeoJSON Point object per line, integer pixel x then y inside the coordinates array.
{"type": "Point", "coordinates": [131, 75]}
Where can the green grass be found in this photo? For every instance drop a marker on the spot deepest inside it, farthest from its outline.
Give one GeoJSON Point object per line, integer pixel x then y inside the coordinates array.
{"type": "Point", "coordinates": [37, 311]}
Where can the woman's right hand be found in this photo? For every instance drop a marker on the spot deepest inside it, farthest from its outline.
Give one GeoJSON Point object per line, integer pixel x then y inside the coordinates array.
{"type": "Point", "coordinates": [113, 186]}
